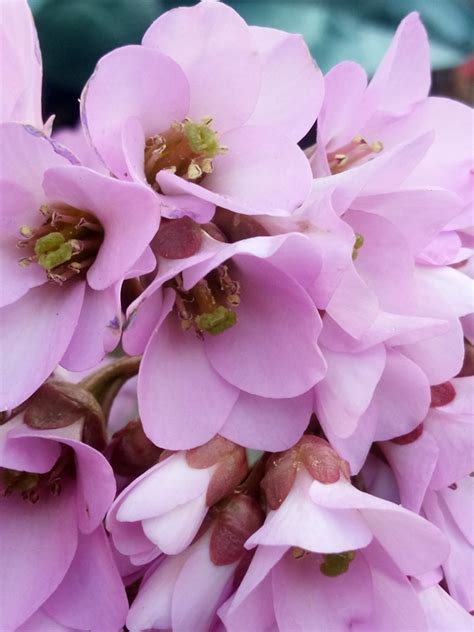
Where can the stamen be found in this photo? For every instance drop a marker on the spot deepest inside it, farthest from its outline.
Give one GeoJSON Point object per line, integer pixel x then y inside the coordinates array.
{"type": "Point", "coordinates": [359, 242]}
{"type": "Point", "coordinates": [352, 153]}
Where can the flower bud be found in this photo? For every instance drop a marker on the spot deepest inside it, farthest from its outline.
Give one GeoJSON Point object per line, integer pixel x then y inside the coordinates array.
{"type": "Point", "coordinates": [234, 524]}
{"type": "Point", "coordinates": [237, 227]}
{"type": "Point", "coordinates": [312, 453]}
{"type": "Point", "coordinates": [58, 404]}
{"type": "Point", "coordinates": [178, 238]}
{"type": "Point", "coordinates": [231, 462]}
{"type": "Point", "coordinates": [468, 364]}
{"type": "Point", "coordinates": [132, 452]}
{"type": "Point", "coordinates": [409, 437]}
{"type": "Point", "coordinates": [442, 394]}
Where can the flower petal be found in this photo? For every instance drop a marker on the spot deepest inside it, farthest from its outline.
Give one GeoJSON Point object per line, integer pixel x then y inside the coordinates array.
{"type": "Point", "coordinates": [131, 81]}
{"type": "Point", "coordinates": [292, 87]}
{"type": "Point", "coordinates": [215, 49]}
{"type": "Point", "coordinates": [37, 328]}
{"type": "Point", "coordinates": [183, 401]}
{"type": "Point", "coordinates": [272, 350]}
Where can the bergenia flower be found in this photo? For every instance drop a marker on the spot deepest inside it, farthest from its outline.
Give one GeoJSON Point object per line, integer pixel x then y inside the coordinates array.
{"type": "Point", "coordinates": [210, 107]}
{"type": "Point", "coordinates": [324, 543]}
{"type": "Point", "coordinates": [184, 592]}
{"type": "Point", "coordinates": [55, 491]}
{"type": "Point", "coordinates": [20, 65]}
{"type": "Point", "coordinates": [234, 327]}
{"type": "Point", "coordinates": [162, 510]}
{"type": "Point", "coordinates": [69, 237]}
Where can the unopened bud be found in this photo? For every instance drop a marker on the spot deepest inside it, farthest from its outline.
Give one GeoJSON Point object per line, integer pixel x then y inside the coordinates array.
{"type": "Point", "coordinates": [237, 227]}
{"type": "Point", "coordinates": [58, 404]}
{"type": "Point", "coordinates": [178, 238]}
{"type": "Point", "coordinates": [468, 364]}
{"type": "Point", "coordinates": [231, 462]}
{"type": "Point", "coordinates": [442, 394]}
{"type": "Point", "coordinates": [233, 526]}
{"type": "Point", "coordinates": [132, 452]}
{"type": "Point", "coordinates": [312, 453]}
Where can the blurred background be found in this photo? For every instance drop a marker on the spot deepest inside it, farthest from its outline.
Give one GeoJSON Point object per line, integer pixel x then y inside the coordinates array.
{"type": "Point", "coordinates": [74, 34]}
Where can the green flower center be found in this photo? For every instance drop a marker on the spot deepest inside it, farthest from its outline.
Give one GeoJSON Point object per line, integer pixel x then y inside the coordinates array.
{"type": "Point", "coordinates": [65, 245]}
{"type": "Point", "coordinates": [336, 564]}
{"type": "Point", "coordinates": [186, 149]}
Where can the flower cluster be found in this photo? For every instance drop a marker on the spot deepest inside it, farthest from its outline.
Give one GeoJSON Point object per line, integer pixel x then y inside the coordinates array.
{"type": "Point", "coordinates": [283, 437]}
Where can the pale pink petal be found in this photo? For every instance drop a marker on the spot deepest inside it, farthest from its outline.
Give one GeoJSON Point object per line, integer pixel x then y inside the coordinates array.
{"type": "Point", "coordinates": [268, 424]}
{"type": "Point", "coordinates": [152, 606]}
{"type": "Point", "coordinates": [403, 77]}
{"type": "Point", "coordinates": [37, 544]}
{"type": "Point", "coordinates": [183, 401]}
{"type": "Point", "coordinates": [402, 397]}
{"type": "Point", "coordinates": [307, 600]}
{"type": "Point", "coordinates": [413, 543]}
{"type": "Point", "coordinates": [39, 326]}
{"type": "Point", "coordinates": [21, 451]}
{"type": "Point", "coordinates": [418, 213]}
{"type": "Point", "coordinates": [413, 465]}
{"type": "Point", "coordinates": [97, 331]}
{"type": "Point", "coordinates": [272, 350]}
{"type": "Point", "coordinates": [347, 388]}
{"type": "Point", "coordinates": [128, 212]}
{"type": "Point", "coordinates": [396, 604]}
{"type": "Point", "coordinates": [256, 612]}
{"type": "Point", "coordinates": [143, 321]}
{"type": "Point", "coordinates": [292, 87]}
{"type": "Point", "coordinates": [132, 81]}
{"type": "Point", "coordinates": [261, 565]}
{"type": "Point", "coordinates": [200, 589]}
{"type": "Point", "coordinates": [301, 522]}
{"type": "Point", "coordinates": [42, 622]}
{"type": "Point", "coordinates": [140, 500]}
{"type": "Point", "coordinates": [20, 67]}
{"type": "Point", "coordinates": [215, 49]}
{"type": "Point", "coordinates": [91, 596]}
{"type": "Point", "coordinates": [443, 613]}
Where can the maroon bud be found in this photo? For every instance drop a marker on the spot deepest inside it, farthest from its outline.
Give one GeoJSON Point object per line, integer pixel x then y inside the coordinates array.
{"type": "Point", "coordinates": [236, 226]}
{"type": "Point", "coordinates": [213, 231]}
{"type": "Point", "coordinates": [312, 453]}
{"type": "Point", "coordinates": [442, 394]}
{"type": "Point", "coordinates": [410, 436]}
{"type": "Point", "coordinates": [178, 238]}
{"type": "Point", "coordinates": [132, 452]}
{"type": "Point", "coordinates": [233, 526]}
{"type": "Point", "coordinates": [58, 404]}
{"type": "Point", "coordinates": [468, 364]}
{"type": "Point", "coordinates": [232, 466]}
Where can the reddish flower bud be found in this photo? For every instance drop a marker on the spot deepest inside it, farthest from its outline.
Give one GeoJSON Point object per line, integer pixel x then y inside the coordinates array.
{"type": "Point", "coordinates": [178, 238]}
{"type": "Point", "coordinates": [233, 526]}
{"type": "Point", "coordinates": [468, 364]}
{"type": "Point", "coordinates": [313, 453]}
{"type": "Point", "coordinates": [236, 226]}
{"type": "Point", "coordinates": [231, 461]}
{"type": "Point", "coordinates": [442, 394]}
{"type": "Point", "coordinates": [410, 436]}
{"type": "Point", "coordinates": [132, 452]}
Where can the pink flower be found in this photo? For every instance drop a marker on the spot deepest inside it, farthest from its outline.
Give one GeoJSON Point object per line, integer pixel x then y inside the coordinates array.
{"type": "Point", "coordinates": [56, 491]}
{"type": "Point", "coordinates": [183, 592]}
{"type": "Point", "coordinates": [229, 337]}
{"type": "Point", "coordinates": [20, 65]}
{"type": "Point", "coordinates": [323, 544]}
{"type": "Point", "coordinates": [259, 87]}
{"type": "Point", "coordinates": [162, 510]}
{"type": "Point", "coordinates": [69, 237]}
{"type": "Point", "coordinates": [442, 612]}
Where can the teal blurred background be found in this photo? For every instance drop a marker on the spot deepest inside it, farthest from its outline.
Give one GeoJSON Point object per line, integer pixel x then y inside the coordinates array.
{"type": "Point", "coordinates": [74, 34]}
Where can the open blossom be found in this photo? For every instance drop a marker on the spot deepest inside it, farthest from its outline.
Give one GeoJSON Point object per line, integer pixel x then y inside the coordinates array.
{"type": "Point", "coordinates": [69, 238]}
{"type": "Point", "coordinates": [55, 491]}
{"type": "Point", "coordinates": [162, 510]}
{"type": "Point", "coordinates": [20, 65]}
{"type": "Point", "coordinates": [325, 545]}
{"type": "Point", "coordinates": [184, 592]}
{"type": "Point", "coordinates": [210, 107]}
{"type": "Point", "coordinates": [229, 337]}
